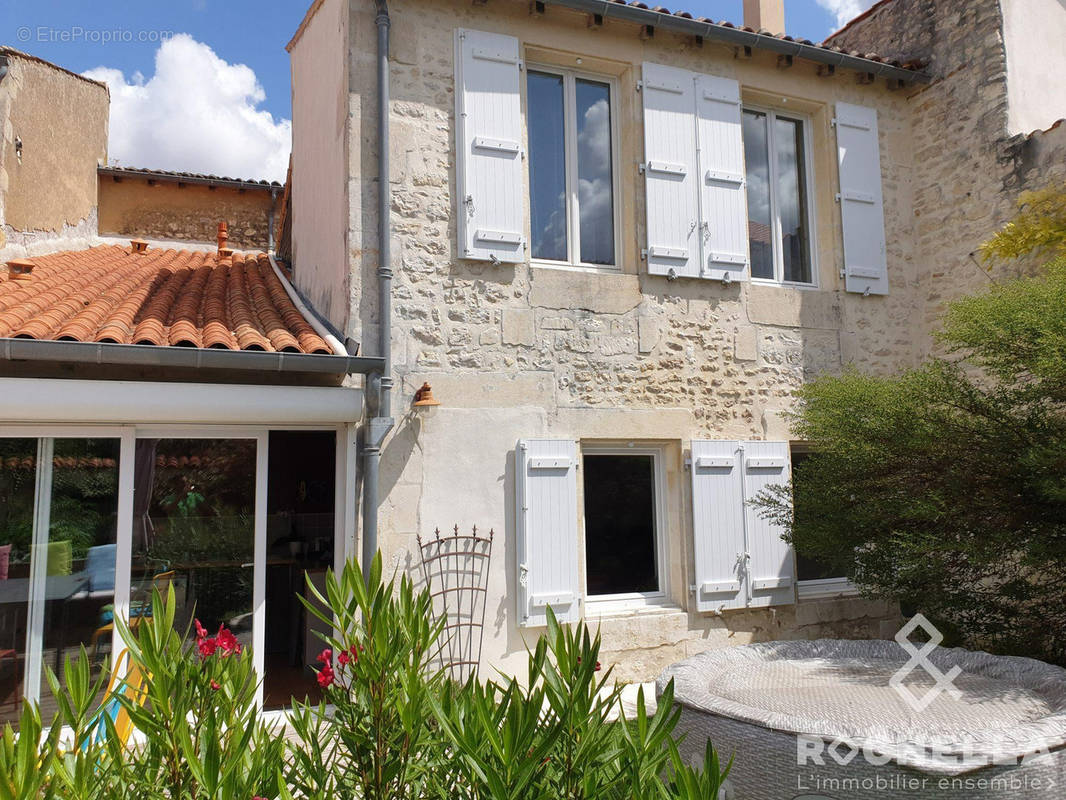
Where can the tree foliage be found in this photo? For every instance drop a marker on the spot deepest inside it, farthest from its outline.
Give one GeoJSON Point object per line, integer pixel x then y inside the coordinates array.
{"type": "Point", "coordinates": [945, 487]}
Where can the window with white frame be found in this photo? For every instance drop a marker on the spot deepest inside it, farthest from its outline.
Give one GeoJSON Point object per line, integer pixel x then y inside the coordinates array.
{"type": "Point", "coordinates": [779, 216]}
{"type": "Point", "coordinates": [571, 168]}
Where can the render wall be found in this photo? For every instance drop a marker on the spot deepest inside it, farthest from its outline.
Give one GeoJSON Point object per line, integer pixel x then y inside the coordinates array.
{"type": "Point", "coordinates": [521, 351]}
{"type": "Point", "coordinates": [1033, 35]}
{"type": "Point", "coordinates": [319, 191]}
{"type": "Point", "coordinates": [165, 210]}
{"type": "Point", "coordinates": [48, 190]}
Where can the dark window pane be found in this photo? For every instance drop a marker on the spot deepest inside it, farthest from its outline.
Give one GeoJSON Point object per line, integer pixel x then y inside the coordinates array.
{"type": "Point", "coordinates": [595, 200]}
{"type": "Point", "coordinates": [547, 166]}
{"type": "Point", "coordinates": [760, 231]}
{"type": "Point", "coordinates": [620, 524]}
{"type": "Point", "coordinates": [792, 199]}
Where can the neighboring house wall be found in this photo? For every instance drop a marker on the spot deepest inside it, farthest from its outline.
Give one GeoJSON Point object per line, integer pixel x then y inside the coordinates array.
{"type": "Point", "coordinates": [518, 351]}
{"type": "Point", "coordinates": [1033, 35]}
{"type": "Point", "coordinates": [319, 192]}
{"type": "Point", "coordinates": [48, 185]}
{"type": "Point", "coordinates": [969, 170]}
{"type": "Point", "coordinates": [144, 207]}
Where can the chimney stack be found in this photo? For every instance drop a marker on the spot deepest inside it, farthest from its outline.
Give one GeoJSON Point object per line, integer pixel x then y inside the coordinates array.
{"type": "Point", "coordinates": [766, 15]}
{"type": "Point", "coordinates": [223, 237]}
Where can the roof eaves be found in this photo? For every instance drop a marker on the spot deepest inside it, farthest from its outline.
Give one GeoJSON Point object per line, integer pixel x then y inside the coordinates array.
{"type": "Point", "coordinates": [682, 22]}
{"type": "Point", "coordinates": [189, 177]}
{"type": "Point", "coordinates": [140, 355]}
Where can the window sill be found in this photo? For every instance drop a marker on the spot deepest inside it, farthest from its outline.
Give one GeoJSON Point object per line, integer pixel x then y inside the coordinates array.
{"type": "Point", "coordinates": [807, 287]}
{"type": "Point", "coordinates": [566, 267]}
{"type": "Point", "coordinates": [825, 589]}
{"type": "Point", "coordinates": [627, 607]}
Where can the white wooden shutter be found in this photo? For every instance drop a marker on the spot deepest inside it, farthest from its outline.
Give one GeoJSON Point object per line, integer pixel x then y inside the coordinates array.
{"type": "Point", "coordinates": [718, 525]}
{"type": "Point", "coordinates": [670, 171]}
{"type": "Point", "coordinates": [490, 203]}
{"type": "Point", "coordinates": [723, 199]}
{"type": "Point", "coordinates": [546, 511]}
{"type": "Point", "coordinates": [771, 563]}
{"type": "Point", "coordinates": [861, 204]}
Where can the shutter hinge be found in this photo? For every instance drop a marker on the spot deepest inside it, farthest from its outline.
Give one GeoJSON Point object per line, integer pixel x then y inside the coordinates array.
{"type": "Point", "coordinates": [643, 254]}
{"type": "Point", "coordinates": [836, 197]}
{"type": "Point", "coordinates": [640, 86]}
{"type": "Point", "coordinates": [641, 168]}
{"type": "Point", "coordinates": [688, 465]}
{"type": "Point", "coordinates": [833, 122]}
{"type": "Point", "coordinates": [521, 65]}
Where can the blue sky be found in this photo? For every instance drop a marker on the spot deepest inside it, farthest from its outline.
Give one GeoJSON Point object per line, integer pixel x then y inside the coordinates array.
{"type": "Point", "coordinates": [249, 126]}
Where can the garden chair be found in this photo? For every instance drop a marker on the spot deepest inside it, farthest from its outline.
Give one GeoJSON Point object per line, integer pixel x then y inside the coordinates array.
{"type": "Point", "coordinates": [127, 680]}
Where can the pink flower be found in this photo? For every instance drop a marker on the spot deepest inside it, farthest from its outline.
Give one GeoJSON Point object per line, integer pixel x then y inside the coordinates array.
{"type": "Point", "coordinates": [227, 641]}
{"type": "Point", "coordinates": [215, 685]}
{"type": "Point", "coordinates": [201, 632]}
{"type": "Point", "coordinates": [326, 676]}
{"type": "Point", "coordinates": [326, 656]}
{"type": "Point", "coordinates": [343, 658]}
{"type": "Point", "coordinates": [207, 647]}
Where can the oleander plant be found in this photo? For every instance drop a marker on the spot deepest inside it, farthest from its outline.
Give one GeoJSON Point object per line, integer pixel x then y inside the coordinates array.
{"type": "Point", "coordinates": [184, 725]}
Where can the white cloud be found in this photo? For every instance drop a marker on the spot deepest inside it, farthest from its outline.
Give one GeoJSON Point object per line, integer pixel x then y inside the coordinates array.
{"type": "Point", "coordinates": [197, 113]}
{"type": "Point", "coordinates": [845, 10]}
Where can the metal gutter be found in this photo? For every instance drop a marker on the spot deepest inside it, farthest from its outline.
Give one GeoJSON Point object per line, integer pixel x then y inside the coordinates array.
{"type": "Point", "coordinates": [736, 36]}
{"type": "Point", "coordinates": [175, 177]}
{"type": "Point", "coordinates": [141, 355]}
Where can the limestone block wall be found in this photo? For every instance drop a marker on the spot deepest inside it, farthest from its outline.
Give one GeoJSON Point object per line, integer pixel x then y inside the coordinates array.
{"type": "Point", "coordinates": [969, 170]}
{"type": "Point", "coordinates": [523, 351]}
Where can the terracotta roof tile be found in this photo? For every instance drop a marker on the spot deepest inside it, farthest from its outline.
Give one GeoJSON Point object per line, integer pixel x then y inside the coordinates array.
{"type": "Point", "coordinates": [172, 298]}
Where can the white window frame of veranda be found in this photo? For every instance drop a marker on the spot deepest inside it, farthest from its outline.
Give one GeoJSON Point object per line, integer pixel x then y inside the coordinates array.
{"type": "Point", "coordinates": [260, 403]}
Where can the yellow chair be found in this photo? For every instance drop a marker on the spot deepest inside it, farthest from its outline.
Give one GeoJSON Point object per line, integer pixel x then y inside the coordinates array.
{"type": "Point", "coordinates": [127, 680]}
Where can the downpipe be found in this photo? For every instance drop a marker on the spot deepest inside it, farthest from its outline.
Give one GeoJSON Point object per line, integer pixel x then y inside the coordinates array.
{"type": "Point", "coordinates": [380, 388]}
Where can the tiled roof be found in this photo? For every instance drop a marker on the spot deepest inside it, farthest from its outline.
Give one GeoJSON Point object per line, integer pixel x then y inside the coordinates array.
{"type": "Point", "coordinates": [199, 177]}
{"type": "Point", "coordinates": [826, 46]}
{"type": "Point", "coordinates": [160, 297]}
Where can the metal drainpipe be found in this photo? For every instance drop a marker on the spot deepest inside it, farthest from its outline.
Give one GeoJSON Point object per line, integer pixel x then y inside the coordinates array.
{"type": "Point", "coordinates": [270, 221]}
{"type": "Point", "coordinates": [381, 423]}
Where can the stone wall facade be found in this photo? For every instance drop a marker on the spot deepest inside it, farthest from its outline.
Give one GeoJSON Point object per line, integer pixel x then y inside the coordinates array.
{"type": "Point", "coordinates": [148, 208]}
{"type": "Point", "coordinates": [970, 172]}
{"type": "Point", "coordinates": [53, 134]}
{"type": "Point", "coordinates": [624, 358]}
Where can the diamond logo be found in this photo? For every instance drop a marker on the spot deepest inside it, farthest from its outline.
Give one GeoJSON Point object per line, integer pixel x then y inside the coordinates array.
{"type": "Point", "coordinates": [919, 659]}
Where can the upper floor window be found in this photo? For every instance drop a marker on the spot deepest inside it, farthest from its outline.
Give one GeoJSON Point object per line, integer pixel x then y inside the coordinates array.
{"type": "Point", "coordinates": [571, 168]}
{"type": "Point", "coordinates": [779, 235]}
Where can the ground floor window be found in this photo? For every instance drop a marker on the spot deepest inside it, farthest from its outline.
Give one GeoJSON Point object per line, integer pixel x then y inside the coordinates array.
{"type": "Point", "coordinates": [621, 513]}
{"type": "Point", "coordinates": [815, 579]}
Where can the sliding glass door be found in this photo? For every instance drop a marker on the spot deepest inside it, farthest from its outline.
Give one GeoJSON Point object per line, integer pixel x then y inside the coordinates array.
{"type": "Point", "coordinates": [194, 530]}
{"type": "Point", "coordinates": [59, 524]}
{"type": "Point", "coordinates": [234, 520]}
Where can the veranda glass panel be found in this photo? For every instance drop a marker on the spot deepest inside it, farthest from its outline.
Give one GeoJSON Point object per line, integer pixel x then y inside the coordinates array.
{"type": "Point", "coordinates": [792, 199]}
{"type": "Point", "coordinates": [18, 463]}
{"type": "Point", "coordinates": [547, 166]}
{"type": "Point", "coordinates": [194, 530]}
{"type": "Point", "coordinates": [79, 557]}
{"type": "Point", "coordinates": [595, 196]}
{"type": "Point", "coordinates": [760, 228]}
